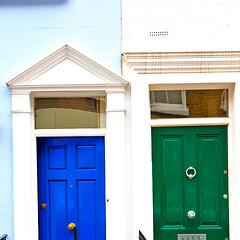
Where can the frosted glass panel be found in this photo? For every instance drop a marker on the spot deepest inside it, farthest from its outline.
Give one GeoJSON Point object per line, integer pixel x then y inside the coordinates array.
{"type": "Point", "coordinates": [59, 113]}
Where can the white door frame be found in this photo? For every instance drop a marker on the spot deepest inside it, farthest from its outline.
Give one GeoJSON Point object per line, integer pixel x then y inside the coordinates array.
{"type": "Point", "coordinates": [30, 85]}
{"type": "Point", "coordinates": [142, 173]}
{"type": "Point", "coordinates": [208, 122]}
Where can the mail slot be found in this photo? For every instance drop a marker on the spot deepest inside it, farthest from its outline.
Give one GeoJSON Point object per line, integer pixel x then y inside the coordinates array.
{"type": "Point", "coordinates": [191, 236]}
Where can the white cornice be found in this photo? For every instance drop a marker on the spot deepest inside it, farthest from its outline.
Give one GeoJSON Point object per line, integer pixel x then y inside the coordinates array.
{"type": "Point", "coordinates": [108, 78]}
{"type": "Point", "coordinates": [66, 88]}
{"type": "Point", "coordinates": [183, 62]}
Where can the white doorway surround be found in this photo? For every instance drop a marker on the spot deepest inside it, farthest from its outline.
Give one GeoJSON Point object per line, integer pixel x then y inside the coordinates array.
{"type": "Point", "coordinates": [66, 73]}
{"type": "Point", "coordinates": [164, 71]}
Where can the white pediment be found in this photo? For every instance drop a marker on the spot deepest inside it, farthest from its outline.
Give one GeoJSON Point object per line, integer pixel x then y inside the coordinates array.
{"type": "Point", "coordinates": [66, 72]}
{"type": "Point", "coordinates": [66, 68]}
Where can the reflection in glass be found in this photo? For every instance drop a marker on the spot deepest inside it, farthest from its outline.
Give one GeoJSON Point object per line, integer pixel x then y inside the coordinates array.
{"type": "Point", "coordinates": [58, 113]}
{"type": "Point", "coordinates": [189, 103]}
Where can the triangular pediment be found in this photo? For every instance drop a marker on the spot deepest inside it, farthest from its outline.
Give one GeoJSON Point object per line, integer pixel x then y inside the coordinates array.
{"type": "Point", "coordinates": [67, 72]}
{"type": "Point", "coordinates": [66, 68]}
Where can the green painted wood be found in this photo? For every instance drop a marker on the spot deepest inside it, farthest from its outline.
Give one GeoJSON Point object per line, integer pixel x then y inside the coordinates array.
{"type": "Point", "coordinates": [172, 156]}
{"type": "Point", "coordinates": [174, 194]}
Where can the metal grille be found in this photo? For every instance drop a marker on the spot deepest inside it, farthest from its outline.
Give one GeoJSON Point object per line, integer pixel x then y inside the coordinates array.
{"type": "Point", "coordinates": [3, 237]}
{"type": "Point", "coordinates": [141, 236]}
{"type": "Point", "coordinates": [192, 237]}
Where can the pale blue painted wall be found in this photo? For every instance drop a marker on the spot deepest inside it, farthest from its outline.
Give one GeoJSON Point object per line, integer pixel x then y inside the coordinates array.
{"type": "Point", "coordinates": [31, 30]}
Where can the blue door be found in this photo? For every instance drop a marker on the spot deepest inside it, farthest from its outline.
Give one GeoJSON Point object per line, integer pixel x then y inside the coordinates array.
{"type": "Point", "coordinates": [71, 188]}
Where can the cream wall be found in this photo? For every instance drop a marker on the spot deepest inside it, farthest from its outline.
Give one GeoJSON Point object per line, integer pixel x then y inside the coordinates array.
{"type": "Point", "coordinates": [191, 25]}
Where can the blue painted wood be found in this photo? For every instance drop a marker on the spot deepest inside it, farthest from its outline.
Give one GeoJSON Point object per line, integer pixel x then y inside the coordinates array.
{"type": "Point", "coordinates": [86, 156]}
{"type": "Point", "coordinates": [71, 181]}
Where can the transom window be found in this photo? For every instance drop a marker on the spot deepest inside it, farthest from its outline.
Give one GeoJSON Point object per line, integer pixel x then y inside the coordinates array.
{"type": "Point", "coordinates": [58, 113]}
{"type": "Point", "coordinates": [189, 103]}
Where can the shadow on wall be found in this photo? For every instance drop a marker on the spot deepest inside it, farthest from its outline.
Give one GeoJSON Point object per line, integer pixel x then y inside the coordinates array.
{"type": "Point", "coordinates": [29, 2]}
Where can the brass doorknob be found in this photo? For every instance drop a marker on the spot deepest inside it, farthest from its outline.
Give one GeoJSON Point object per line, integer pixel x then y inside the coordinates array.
{"type": "Point", "coordinates": [43, 205]}
{"type": "Point", "coordinates": [71, 226]}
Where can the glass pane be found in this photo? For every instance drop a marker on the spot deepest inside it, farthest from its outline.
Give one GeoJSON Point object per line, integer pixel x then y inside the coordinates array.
{"type": "Point", "coordinates": [159, 96]}
{"type": "Point", "coordinates": [174, 97]}
{"type": "Point", "coordinates": [58, 113]}
{"type": "Point", "coordinates": [191, 104]}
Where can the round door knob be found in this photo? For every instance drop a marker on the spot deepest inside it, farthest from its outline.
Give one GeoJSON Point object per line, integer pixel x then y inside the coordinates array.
{"type": "Point", "coordinates": [191, 214]}
{"type": "Point", "coordinates": [71, 226]}
{"type": "Point", "coordinates": [43, 205]}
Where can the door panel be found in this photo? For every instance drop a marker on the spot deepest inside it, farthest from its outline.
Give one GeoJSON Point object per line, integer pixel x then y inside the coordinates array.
{"type": "Point", "coordinates": [86, 196]}
{"type": "Point", "coordinates": [71, 181]}
{"type": "Point", "coordinates": [58, 208]}
{"type": "Point", "coordinates": [209, 205]}
{"type": "Point", "coordinates": [172, 155]}
{"type": "Point", "coordinates": [174, 194]}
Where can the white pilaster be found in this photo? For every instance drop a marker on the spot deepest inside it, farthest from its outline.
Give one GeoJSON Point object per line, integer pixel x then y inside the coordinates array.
{"type": "Point", "coordinates": [115, 166]}
{"type": "Point", "coordinates": [141, 160]}
{"type": "Point", "coordinates": [234, 166]}
{"type": "Point", "coordinates": [22, 169]}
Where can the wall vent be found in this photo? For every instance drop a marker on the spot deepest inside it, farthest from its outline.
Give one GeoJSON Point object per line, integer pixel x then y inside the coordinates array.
{"type": "Point", "coordinates": [158, 33]}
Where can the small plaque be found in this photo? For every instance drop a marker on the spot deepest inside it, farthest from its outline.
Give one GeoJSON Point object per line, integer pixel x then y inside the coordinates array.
{"type": "Point", "coordinates": [192, 237]}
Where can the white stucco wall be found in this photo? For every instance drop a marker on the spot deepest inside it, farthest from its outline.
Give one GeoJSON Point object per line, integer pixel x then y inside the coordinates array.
{"type": "Point", "coordinates": [191, 25]}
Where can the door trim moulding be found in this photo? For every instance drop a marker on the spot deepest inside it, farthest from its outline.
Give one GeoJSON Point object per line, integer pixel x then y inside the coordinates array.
{"type": "Point", "coordinates": [69, 132]}
{"type": "Point", "coordinates": [231, 135]}
{"type": "Point", "coordinates": [190, 122]}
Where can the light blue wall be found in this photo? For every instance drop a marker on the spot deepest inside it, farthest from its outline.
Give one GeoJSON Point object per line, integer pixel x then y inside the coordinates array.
{"type": "Point", "coordinates": [30, 30]}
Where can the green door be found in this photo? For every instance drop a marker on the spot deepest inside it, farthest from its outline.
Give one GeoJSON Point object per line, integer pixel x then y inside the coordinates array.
{"type": "Point", "coordinates": [190, 183]}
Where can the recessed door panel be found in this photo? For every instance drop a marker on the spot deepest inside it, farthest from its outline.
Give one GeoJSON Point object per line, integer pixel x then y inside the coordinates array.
{"type": "Point", "coordinates": [190, 183]}
{"type": "Point", "coordinates": [171, 181]}
{"type": "Point", "coordinates": [209, 184]}
{"type": "Point", "coordinates": [58, 208]}
{"type": "Point", "coordinates": [86, 195]}
{"type": "Point", "coordinates": [85, 157]}
{"type": "Point", "coordinates": [57, 156]}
